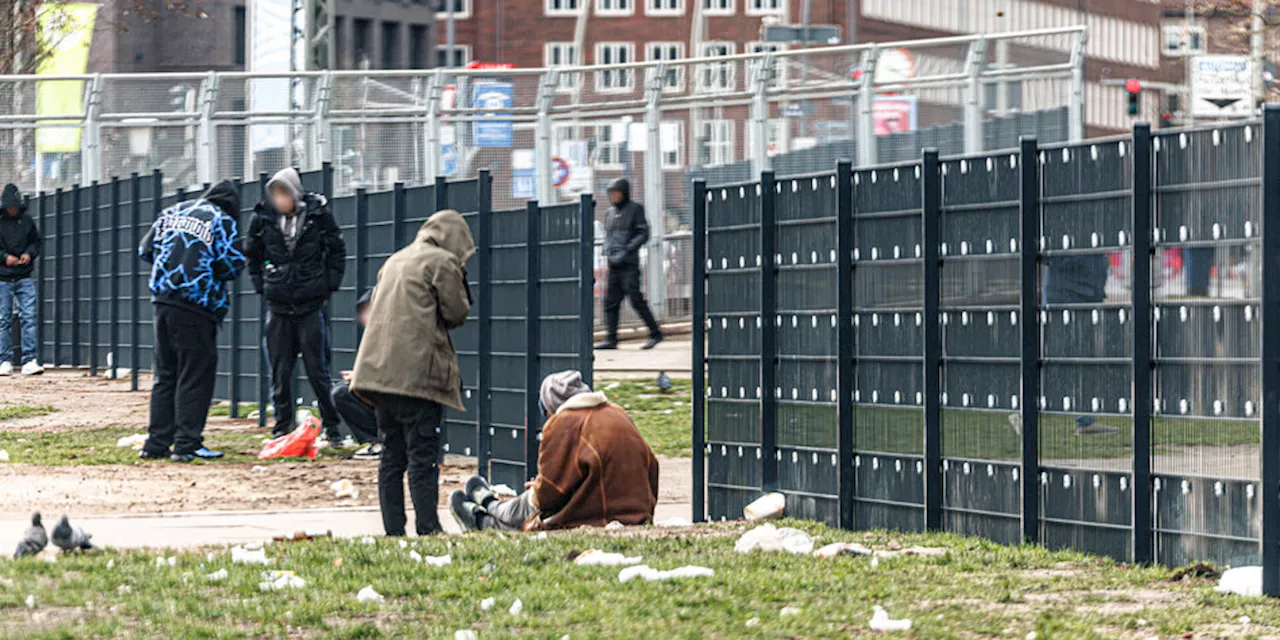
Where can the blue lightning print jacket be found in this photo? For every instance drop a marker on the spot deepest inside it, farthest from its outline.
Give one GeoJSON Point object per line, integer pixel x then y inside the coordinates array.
{"type": "Point", "coordinates": [191, 248]}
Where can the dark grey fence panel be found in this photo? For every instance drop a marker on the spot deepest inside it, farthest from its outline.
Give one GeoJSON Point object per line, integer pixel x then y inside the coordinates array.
{"type": "Point", "coordinates": [508, 256]}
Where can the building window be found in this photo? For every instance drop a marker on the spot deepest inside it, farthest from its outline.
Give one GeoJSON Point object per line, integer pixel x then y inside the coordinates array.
{"type": "Point", "coordinates": [461, 9]}
{"type": "Point", "coordinates": [340, 42]}
{"type": "Point", "coordinates": [360, 42]}
{"type": "Point", "coordinates": [614, 7]}
{"type": "Point", "coordinates": [562, 54]}
{"type": "Point", "coordinates": [391, 45]}
{"type": "Point", "coordinates": [779, 64]}
{"type": "Point", "coordinates": [458, 57]}
{"type": "Point", "coordinates": [776, 138]}
{"type": "Point", "coordinates": [614, 80]}
{"type": "Point", "coordinates": [667, 52]}
{"type": "Point", "coordinates": [716, 140]}
{"type": "Point", "coordinates": [609, 139]}
{"type": "Point", "coordinates": [763, 7]}
{"type": "Point", "coordinates": [716, 76]}
{"type": "Point", "coordinates": [1177, 39]}
{"type": "Point", "coordinates": [664, 7]}
{"type": "Point", "coordinates": [717, 7]}
{"type": "Point", "coordinates": [418, 46]}
{"type": "Point", "coordinates": [671, 137]}
{"type": "Point", "coordinates": [239, 19]}
{"type": "Point", "coordinates": [562, 7]}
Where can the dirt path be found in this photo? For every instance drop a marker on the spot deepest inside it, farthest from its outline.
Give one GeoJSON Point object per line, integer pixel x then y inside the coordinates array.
{"type": "Point", "coordinates": [84, 402]}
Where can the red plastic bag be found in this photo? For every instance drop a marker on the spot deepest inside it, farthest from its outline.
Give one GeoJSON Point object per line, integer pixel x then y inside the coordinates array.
{"type": "Point", "coordinates": [301, 443]}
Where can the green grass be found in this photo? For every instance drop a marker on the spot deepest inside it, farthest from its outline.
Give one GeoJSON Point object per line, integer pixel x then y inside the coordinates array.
{"type": "Point", "coordinates": [977, 589]}
{"type": "Point", "coordinates": [223, 409]}
{"type": "Point", "coordinates": [17, 411]}
{"type": "Point", "coordinates": [663, 418]}
{"type": "Point", "coordinates": [98, 446]}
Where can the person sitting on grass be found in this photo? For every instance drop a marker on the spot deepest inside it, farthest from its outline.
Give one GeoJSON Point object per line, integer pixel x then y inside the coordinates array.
{"type": "Point", "coordinates": [360, 417]}
{"type": "Point", "coordinates": [594, 467]}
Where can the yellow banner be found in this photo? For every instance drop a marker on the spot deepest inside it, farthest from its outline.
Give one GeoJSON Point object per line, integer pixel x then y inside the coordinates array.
{"type": "Point", "coordinates": [68, 28]}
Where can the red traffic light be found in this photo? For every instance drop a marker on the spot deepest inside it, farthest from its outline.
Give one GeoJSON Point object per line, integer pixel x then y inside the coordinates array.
{"type": "Point", "coordinates": [1133, 85]}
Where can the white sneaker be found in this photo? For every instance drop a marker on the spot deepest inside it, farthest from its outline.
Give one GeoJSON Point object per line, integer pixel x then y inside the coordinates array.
{"type": "Point", "coordinates": [32, 368]}
{"type": "Point", "coordinates": [6, 368]}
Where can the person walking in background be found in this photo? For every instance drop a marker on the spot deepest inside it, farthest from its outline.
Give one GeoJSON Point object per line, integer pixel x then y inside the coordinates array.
{"type": "Point", "coordinates": [626, 230]}
{"type": "Point", "coordinates": [191, 248]}
{"type": "Point", "coordinates": [407, 368]}
{"type": "Point", "coordinates": [19, 248]}
{"type": "Point", "coordinates": [359, 417]}
{"type": "Point", "coordinates": [296, 260]}
{"type": "Point", "coordinates": [1077, 279]}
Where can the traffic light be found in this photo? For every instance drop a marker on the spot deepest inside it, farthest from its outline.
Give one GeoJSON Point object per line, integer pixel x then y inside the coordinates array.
{"type": "Point", "coordinates": [1134, 87]}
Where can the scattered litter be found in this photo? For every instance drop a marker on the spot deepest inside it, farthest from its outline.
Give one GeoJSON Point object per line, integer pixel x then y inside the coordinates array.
{"type": "Point", "coordinates": [649, 574]}
{"type": "Point", "coordinates": [208, 557]}
{"type": "Point", "coordinates": [337, 563]}
{"type": "Point", "coordinates": [612, 385]}
{"type": "Point", "coordinates": [516, 607]}
{"type": "Point", "coordinates": [754, 622]}
{"type": "Point", "coordinates": [464, 634]}
{"type": "Point", "coordinates": [438, 561]}
{"type": "Point", "coordinates": [404, 545]}
{"type": "Point", "coordinates": [302, 536]}
{"type": "Point", "coordinates": [836, 548]}
{"type": "Point", "coordinates": [134, 441]}
{"type": "Point", "coordinates": [923, 552]}
{"type": "Point", "coordinates": [598, 558]}
{"type": "Point", "coordinates": [674, 523]}
{"type": "Point", "coordinates": [1142, 622]}
{"type": "Point", "coordinates": [300, 443]}
{"type": "Point", "coordinates": [789, 611]}
{"type": "Point", "coordinates": [218, 576]}
{"type": "Point", "coordinates": [344, 489]}
{"type": "Point", "coordinates": [770, 538]}
{"type": "Point", "coordinates": [88, 604]}
{"type": "Point", "coordinates": [503, 491]}
{"type": "Point", "coordinates": [880, 621]}
{"type": "Point", "coordinates": [487, 604]}
{"type": "Point", "coordinates": [1245, 620]}
{"type": "Point", "coordinates": [1031, 635]}
{"type": "Point", "coordinates": [124, 589]}
{"type": "Point", "coordinates": [257, 468]}
{"type": "Point", "coordinates": [875, 562]}
{"type": "Point", "coordinates": [277, 580]}
{"type": "Point", "coordinates": [367, 595]}
{"type": "Point", "coordinates": [249, 554]}
{"type": "Point", "coordinates": [1194, 570]}
{"type": "Point", "coordinates": [111, 564]}
{"type": "Point", "coordinates": [4, 455]}
{"type": "Point", "coordinates": [1244, 581]}
{"type": "Point", "coordinates": [542, 535]}
{"type": "Point", "coordinates": [415, 556]}
{"type": "Point", "coordinates": [368, 540]}
{"type": "Point", "coordinates": [170, 561]}
{"type": "Point", "coordinates": [613, 526]}
{"type": "Point", "coordinates": [770, 505]}
{"type": "Point", "coordinates": [49, 558]}
{"type": "Point", "coordinates": [31, 602]}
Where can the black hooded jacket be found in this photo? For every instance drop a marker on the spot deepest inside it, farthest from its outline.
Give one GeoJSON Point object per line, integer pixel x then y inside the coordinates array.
{"type": "Point", "coordinates": [297, 281]}
{"type": "Point", "coordinates": [18, 236]}
{"type": "Point", "coordinates": [626, 229]}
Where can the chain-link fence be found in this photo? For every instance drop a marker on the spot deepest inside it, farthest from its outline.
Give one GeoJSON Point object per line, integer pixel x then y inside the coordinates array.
{"type": "Point", "coordinates": [658, 117]}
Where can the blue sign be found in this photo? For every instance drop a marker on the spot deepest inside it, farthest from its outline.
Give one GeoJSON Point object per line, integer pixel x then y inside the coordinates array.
{"type": "Point", "coordinates": [491, 96]}
{"type": "Point", "coordinates": [523, 184]}
{"type": "Point", "coordinates": [448, 159]}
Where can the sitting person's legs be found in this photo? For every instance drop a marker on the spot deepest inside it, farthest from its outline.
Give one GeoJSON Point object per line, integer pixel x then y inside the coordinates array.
{"type": "Point", "coordinates": [360, 417]}
{"type": "Point", "coordinates": [508, 515]}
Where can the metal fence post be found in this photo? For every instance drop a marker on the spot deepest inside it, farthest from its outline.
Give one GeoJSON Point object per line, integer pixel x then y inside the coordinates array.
{"type": "Point", "coordinates": [113, 348]}
{"type": "Point", "coordinates": [399, 204]}
{"type": "Point", "coordinates": [532, 345]}
{"type": "Point", "coordinates": [431, 130]}
{"type": "Point", "coordinates": [484, 314]}
{"type": "Point", "coordinates": [932, 214]}
{"type": "Point", "coordinates": [846, 336]}
{"type": "Point", "coordinates": [206, 138]}
{"type": "Point", "coordinates": [1140, 263]}
{"type": "Point", "coordinates": [91, 139]}
{"type": "Point", "coordinates": [74, 267]}
{"type": "Point", "coordinates": [544, 138]}
{"type": "Point", "coordinates": [654, 195]}
{"type": "Point", "coordinates": [60, 220]}
{"type": "Point", "coordinates": [441, 193]}
{"type": "Point", "coordinates": [699, 365]}
{"type": "Point", "coordinates": [94, 227]}
{"type": "Point", "coordinates": [586, 285]}
{"type": "Point", "coordinates": [362, 252]}
{"type": "Point", "coordinates": [768, 333]}
{"type": "Point", "coordinates": [1270, 448]}
{"type": "Point", "coordinates": [974, 64]}
{"type": "Point", "coordinates": [1029, 243]}
{"type": "Point", "coordinates": [135, 285]}
{"type": "Point", "coordinates": [866, 129]}
{"type": "Point", "coordinates": [42, 211]}
{"type": "Point", "coordinates": [759, 123]}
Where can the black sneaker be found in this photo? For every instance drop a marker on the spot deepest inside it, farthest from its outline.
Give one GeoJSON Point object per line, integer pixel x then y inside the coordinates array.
{"type": "Point", "coordinates": [607, 345]}
{"type": "Point", "coordinates": [653, 342]}
{"type": "Point", "coordinates": [149, 455]}
{"type": "Point", "coordinates": [478, 491]}
{"type": "Point", "coordinates": [281, 429]}
{"type": "Point", "coordinates": [464, 511]}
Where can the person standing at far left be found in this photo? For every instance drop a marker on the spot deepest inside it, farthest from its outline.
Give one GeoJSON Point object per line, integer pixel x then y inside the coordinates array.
{"type": "Point", "coordinates": [19, 248]}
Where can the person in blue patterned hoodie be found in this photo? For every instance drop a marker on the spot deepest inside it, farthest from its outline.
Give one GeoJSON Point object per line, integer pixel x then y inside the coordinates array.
{"type": "Point", "coordinates": [192, 251]}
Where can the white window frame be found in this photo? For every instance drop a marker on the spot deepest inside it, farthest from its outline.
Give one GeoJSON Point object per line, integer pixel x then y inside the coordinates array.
{"type": "Point", "coordinates": [664, 11]}
{"type": "Point", "coordinates": [464, 48]}
{"type": "Point", "coordinates": [614, 160]}
{"type": "Point", "coordinates": [1177, 32]}
{"type": "Point", "coordinates": [779, 64]}
{"type": "Point", "coordinates": [719, 151]}
{"type": "Point", "coordinates": [718, 7]}
{"type": "Point", "coordinates": [568, 81]}
{"type": "Point", "coordinates": [627, 75]}
{"type": "Point", "coordinates": [457, 15]}
{"type": "Point", "coordinates": [778, 130]}
{"type": "Point", "coordinates": [721, 72]}
{"type": "Point", "coordinates": [758, 8]}
{"type": "Point", "coordinates": [673, 159]}
{"type": "Point", "coordinates": [674, 72]}
{"type": "Point", "coordinates": [549, 9]}
{"type": "Point", "coordinates": [604, 12]}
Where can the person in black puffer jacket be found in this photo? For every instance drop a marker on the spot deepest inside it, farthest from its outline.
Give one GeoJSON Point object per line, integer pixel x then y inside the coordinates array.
{"type": "Point", "coordinates": [19, 248]}
{"type": "Point", "coordinates": [296, 260]}
{"type": "Point", "coordinates": [626, 230]}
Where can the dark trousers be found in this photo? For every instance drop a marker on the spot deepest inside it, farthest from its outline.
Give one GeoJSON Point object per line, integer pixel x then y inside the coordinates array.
{"type": "Point", "coordinates": [186, 366]}
{"type": "Point", "coordinates": [360, 417]}
{"type": "Point", "coordinates": [287, 338]}
{"type": "Point", "coordinates": [624, 282]}
{"type": "Point", "coordinates": [410, 441]}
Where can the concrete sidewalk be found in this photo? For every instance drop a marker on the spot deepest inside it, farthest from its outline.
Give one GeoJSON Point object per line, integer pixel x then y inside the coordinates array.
{"type": "Point", "coordinates": [673, 356]}
{"type": "Point", "coordinates": [179, 530]}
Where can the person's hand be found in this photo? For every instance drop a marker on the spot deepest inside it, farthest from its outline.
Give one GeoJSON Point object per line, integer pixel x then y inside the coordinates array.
{"type": "Point", "coordinates": [528, 484]}
{"type": "Point", "coordinates": [346, 377]}
{"type": "Point", "coordinates": [25, 259]}
{"type": "Point", "coordinates": [11, 260]}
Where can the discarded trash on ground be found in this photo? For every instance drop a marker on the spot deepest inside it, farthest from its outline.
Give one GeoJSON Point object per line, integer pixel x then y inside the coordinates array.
{"type": "Point", "coordinates": [300, 443]}
{"type": "Point", "coordinates": [368, 540]}
{"type": "Point", "coordinates": [344, 489]}
{"type": "Point", "coordinates": [277, 580]}
{"type": "Point", "coordinates": [163, 561]}
{"type": "Point", "coordinates": [367, 595]}
{"type": "Point", "coordinates": [770, 505]}
{"type": "Point", "coordinates": [438, 561]}
{"type": "Point", "coordinates": [503, 491]}
{"type": "Point", "coordinates": [257, 468]}
{"type": "Point", "coordinates": [217, 576]}
{"type": "Point", "coordinates": [673, 523]}
{"type": "Point", "coordinates": [753, 622]}
{"type": "Point", "coordinates": [880, 621]}
{"type": "Point", "coordinates": [614, 525]}
{"type": "Point", "coordinates": [135, 441]}
{"type": "Point", "coordinates": [789, 611]}
{"type": "Point", "coordinates": [836, 548]}
{"type": "Point", "coordinates": [598, 558]}
{"type": "Point", "coordinates": [487, 604]}
{"type": "Point", "coordinates": [1242, 581]}
{"type": "Point", "coordinates": [767, 537]}
{"type": "Point", "coordinates": [249, 554]}
{"type": "Point", "coordinates": [30, 602]}
{"type": "Point", "coordinates": [303, 536]}
{"type": "Point", "coordinates": [464, 634]}
{"type": "Point", "coordinates": [516, 607]}
{"type": "Point", "coordinates": [4, 455]}
{"type": "Point", "coordinates": [649, 574]}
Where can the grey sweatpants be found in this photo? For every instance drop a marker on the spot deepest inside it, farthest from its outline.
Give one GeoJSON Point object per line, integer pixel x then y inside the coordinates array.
{"type": "Point", "coordinates": [509, 515]}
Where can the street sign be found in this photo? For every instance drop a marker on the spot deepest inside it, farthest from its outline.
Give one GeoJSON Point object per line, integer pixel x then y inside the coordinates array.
{"type": "Point", "coordinates": [523, 184]}
{"type": "Point", "coordinates": [894, 114]}
{"type": "Point", "coordinates": [448, 159]}
{"type": "Point", "coordinates": [813, 34]}
{"type": "Point", "coordinates": [559, 172]}
{"type": "Point", "coordinates": [797, 109]}
{"type": "Point", "coordinates": [490, 66]}
{"type": "Point", "coordinates": [1221, 86]}
{"type": "Point", "coordinates": [492, 97]}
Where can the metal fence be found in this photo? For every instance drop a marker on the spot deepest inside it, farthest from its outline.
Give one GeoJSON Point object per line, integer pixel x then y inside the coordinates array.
{"type": "Point", "coordinates": [95, 308]}
{"type": "Point", "coordinates": [1064, 344]}
{"type": "Point", "coordinates": [659, 115]}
